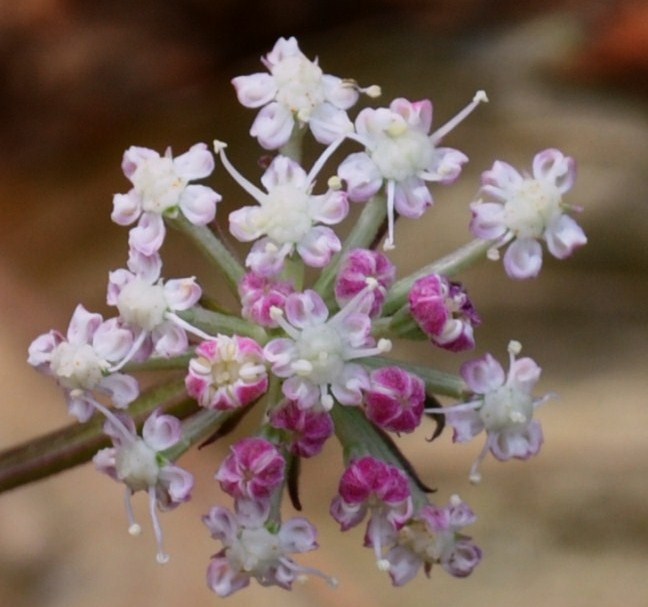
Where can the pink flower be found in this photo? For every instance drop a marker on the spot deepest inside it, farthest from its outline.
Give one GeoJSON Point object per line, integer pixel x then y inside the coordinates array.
{"type": "Point", "coordinates": [316, 355]}
{"type": "Point", "coordinates": [82, 362]}
{"type": "Point", "coordinates": [228, 372]}
{"type": "Point", "coordinates": [395, 399]}
{"type": "Point", "coordinates": [287, 218]}
{"type": "Point", "coordinates": [503, 406]}
{"type": "Point", "coordinates": [295, 93]}
{"type": "Point", "coordinates": [161, 188]}
{"type": "Point", "coordinates": [139, 463]}
{"type": "Point", "coordinates": [357, 267]}
{"type": "Point", "coordinates": [523, 209]}
{"type": "Point", "coordinates": [259, 295]}
{"type": "Point", "coordinates": [253, 470]}
{"type": "Point", "coordinates": [371, 486]}
{"type": "Point", "coordinates": [256, 547]}
{"type": "Point", "coordinates": [400, 152]}
{"type": "Point", "coordinates": [307, 429]}
{"type": "Point", "coordinates": [444, 312]}
{"type": "Point", "coordinates": [434, 536]}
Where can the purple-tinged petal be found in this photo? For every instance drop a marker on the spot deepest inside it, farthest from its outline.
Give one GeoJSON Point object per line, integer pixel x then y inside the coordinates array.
{"type": "Point", "coordinates": [483, 375]}
{"type": "Point", "coordinates": [272, 126]}
{"type": "Point", "coordinates": [126, 208]}
{"type": "Point", "coordinates": [196, 163]}
{"type": "Point", "coordinates": [198, 204]}
{"type": "Point", "coordinates": [255, 90]}
{"type": "Point", "coordinates": [123, 389]}
{"type": "Point", "coordinates": [523, 259]}
{"type": "Point", "coordinates": [147, 237]}
{"type": "Point", "coordinates": [563, 236]}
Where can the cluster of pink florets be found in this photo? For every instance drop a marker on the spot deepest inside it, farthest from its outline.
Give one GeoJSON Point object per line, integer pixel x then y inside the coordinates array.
{"type": "Point", "coordinates": [311, 354]}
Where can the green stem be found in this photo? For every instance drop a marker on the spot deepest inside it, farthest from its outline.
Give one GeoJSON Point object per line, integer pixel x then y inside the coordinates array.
{"type": "Point", "coordinates": [436, 382]}
{"type": "Point", "coordinates": [359, 438]}
{"type": "Point", "coordinates": [77, 443]}
{"type": "Point", "coordinates": [362, 235]}
{"type": "Point", "coordinates": [216, 322]}
{"type": "Point", "coordinates": [451, 264]}
{"type": "Point", "coordinates": [196, 429]}
{"type": "Point", "coordinates": [213, 249]}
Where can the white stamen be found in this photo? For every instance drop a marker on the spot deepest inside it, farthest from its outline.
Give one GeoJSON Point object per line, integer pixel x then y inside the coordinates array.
{"type": "Point", "coordinates": [479, 97]}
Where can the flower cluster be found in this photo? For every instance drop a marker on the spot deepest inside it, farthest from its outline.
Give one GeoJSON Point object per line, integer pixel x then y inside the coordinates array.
{"type": "Point", "coordinates": [308, 338]}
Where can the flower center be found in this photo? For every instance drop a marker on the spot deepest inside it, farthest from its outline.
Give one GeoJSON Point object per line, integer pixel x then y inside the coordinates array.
{"type": "Point", "coordinates": [157, 182]}
{"type": "Point", "coordinates": [136, 465]}
{"type": "Point", "coordinates": [504, 408]}
{"type": "Point", "coordinates": [256, 550]}
{"type": "Point", "coordinates": [402, 152]}
{"type": "Point", "coordinates": [323, 348]}
{"type": "Point", "coordinates": [142, 304]}
{"type": "Point", "coordinates": [530, 209]}
{"type": "Point", "coordinates": [77, 366]}
{"type": "Point", "coordinates": [285, 214]}
{"type": "Point", "coordinates": [299, 84]}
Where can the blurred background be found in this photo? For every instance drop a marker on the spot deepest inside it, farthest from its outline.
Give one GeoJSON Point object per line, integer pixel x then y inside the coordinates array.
{"type": "Point", "coordinates": [80, 82]}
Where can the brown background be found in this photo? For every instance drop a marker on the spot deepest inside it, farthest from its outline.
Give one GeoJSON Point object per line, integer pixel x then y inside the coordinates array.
{"type": "Point", "coordinates": [78, 85]}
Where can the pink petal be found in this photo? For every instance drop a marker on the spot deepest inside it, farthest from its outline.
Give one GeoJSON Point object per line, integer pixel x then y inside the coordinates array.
{"type": "Point", "coordinates": [523, 259]}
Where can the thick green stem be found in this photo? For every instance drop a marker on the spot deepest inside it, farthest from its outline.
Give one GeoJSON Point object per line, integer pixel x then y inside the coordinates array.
{"type": "Point", "coordinates": [359, 438]}
{"type": "Point", "coordinates": [362, 235]}
{"type": "Point", "coordinates": [77, 443]}
{"type": "Point", "coordinates": [213, 249]}
{"type": "Point", "coordinates": [216, 322]}
{"type": "Point", "coordinates": [451, 264]}
{"type": "Point", "coordinates": [436, 382]}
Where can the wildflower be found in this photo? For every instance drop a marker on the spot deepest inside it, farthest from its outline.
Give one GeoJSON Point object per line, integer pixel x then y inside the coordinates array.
{"type": "Point", "coordinates": [256, 547]}
{"type": "Point", "coordinates": [259, 295]}
{"type": "Point", "coordinates": [503, 406]}
{"type": "Point", "coordinates": [523, 209]}
{"type": "Point", "coordinates": [227, 372]}
{"type": "Point", "coordinates": [307, 430]}
{"type": "Point", "coordinates": [161, 188]}
{"type": "Point", "coordinates": [316, 356]}
{"type": "Point", "coordinates": [147, 304]}
{"type": "Point", "coordinates": [296, 92]}
{"type": "Point", "coordinates": [253, 469]}
{"type": "Point", "coordinates": [444, 312]}
{"type": "Point", "coordinates": [287, 217]}
{"type": "Point", "coordinates": [394, 399]}
{"type": "Point", "coordinates": [358, 265]}
{"type": "Point", "coordinates": [140, 464]}
{"type": "Point", "coordinates": [371, 486]}
{"type": "Point", "coordinates": [400, 152]}
{"type": "Point", "coordinates": [82, 361]}
{"type": "Point", "coordinates": [434, 536]}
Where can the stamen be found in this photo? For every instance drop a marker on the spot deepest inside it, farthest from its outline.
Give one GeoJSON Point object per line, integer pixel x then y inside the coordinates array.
{"type": "Point", "coordinates": [302, 571]}
{"type": "Point", "coordinates": [480, 96]}
{"type": "Point", "coordinates": [129, 355]}
{"type": "Point", "coordinates": [277, 314]}
{"type": "Point", "coordinates": [161, 557]}
{"type": "Point", "coordinates": [324, 156]}
{"type": "Point", "coordinates": [133, 527]}
{"type": "Point", "coordinates": [389, 245]}
{"type": "Point", "coordinates": [124, 433]}
{"type": "Point", "coordinates": [183, 324]}
{"type": "Point", "coordinates": [475, 476]}
{"type": "Point", "coordinates": [249, 187]}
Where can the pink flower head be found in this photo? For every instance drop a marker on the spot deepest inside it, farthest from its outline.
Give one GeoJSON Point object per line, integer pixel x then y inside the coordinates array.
{"type": "Point", "coordinates": [371, 485]}
{"type": "Point", "coordinates": [395, 399]}
{"type": "Point", "coordinates": [147, 304]}
{"type": "Point", "coordinates": [287, 217]}
{"type": "Point", "coordinates": [444, 312]}
{"type": "Point", "coordinates": [256, 547]}
{"type": "Point", "coordinates": [259, 295]}
{"type": "Point", "coordinates": [296, 92]}
{"type": "Point", "coordinates": [140, 464]}
{"type": "Point", "coordinates": [316, 355]}
{"type": "Point", "coordinates": [82, 361]}
{"type": "Point", "coordinates": [253, 469]}
{"type": "Point", "coordinates": [503, 406]}
{"type": "Point", "coordinates": [358, 266]}
{"type": "Point", "coordinates": [524, 209]}
{"type": "Point", "coordinates": [400, 152]}
{"type": "Point", "coordinates": [308, 429]}
{"type": "Point", "coordinates": [228, 372]}
{"type": "Point", "coordinates": [161, 188]}
{"type": "Point", "coordinates": [433, 536]}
